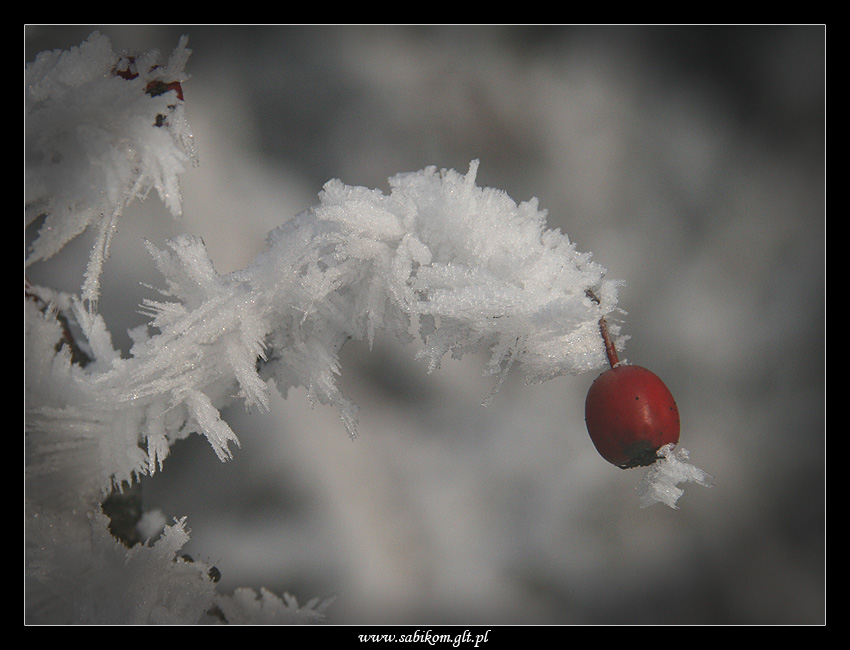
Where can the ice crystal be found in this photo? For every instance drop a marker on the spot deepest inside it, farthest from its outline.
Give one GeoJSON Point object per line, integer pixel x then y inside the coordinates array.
{"type": "Point", "coordinates": [96, 141]}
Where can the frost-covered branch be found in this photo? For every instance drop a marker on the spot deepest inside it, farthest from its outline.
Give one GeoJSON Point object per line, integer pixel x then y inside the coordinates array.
{"type": "Point", "coordinates": [90, 146]}
{"type": "Point", "coordinates": [104, 582]}
{"type": "Point", "coordinates": [468, 267]}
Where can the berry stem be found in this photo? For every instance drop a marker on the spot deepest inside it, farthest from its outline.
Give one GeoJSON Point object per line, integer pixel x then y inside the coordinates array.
{"type": "Point", "coordinates": [610, 349]}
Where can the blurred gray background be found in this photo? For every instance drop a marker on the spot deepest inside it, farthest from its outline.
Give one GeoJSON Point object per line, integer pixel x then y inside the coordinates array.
{"type": "Point", "coordinates": [689, 160]}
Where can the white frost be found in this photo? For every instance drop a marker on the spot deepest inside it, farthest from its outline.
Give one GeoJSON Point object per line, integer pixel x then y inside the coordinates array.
{"type": "Point", "coordinates": [77, 573]}
{"type": "Point", "coordinates": [660, 483]}
{"type": "Point", "coordinates": [93, 147]}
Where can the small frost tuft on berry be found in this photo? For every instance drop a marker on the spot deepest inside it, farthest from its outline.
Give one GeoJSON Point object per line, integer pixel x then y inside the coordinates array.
{"type": "Point", "coordinates": [659, 484]}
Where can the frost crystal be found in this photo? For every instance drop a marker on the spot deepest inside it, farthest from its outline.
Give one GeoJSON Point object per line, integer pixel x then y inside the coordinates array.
{"type": "Point", "coordinates": [96, 141]}
{"type": "Point", "coordinates": [659, 484]}
{"type": "Point", "coordinates": [77, 573]}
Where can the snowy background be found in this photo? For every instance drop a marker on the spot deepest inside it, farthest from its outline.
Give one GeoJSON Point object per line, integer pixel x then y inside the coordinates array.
{"type": "Point", "coordinates": [689, 161]}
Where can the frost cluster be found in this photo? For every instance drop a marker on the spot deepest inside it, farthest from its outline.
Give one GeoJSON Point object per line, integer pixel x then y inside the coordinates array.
{"type": "Point", "coordinates": [101, 581]}
{"type": "Point", "coordinates": [90, 148]}
{"type": "Point", "coordinates": [660, 483]}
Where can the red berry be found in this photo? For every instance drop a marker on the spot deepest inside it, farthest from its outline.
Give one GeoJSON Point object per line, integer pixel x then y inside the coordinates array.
{"type": "Point", "coordinates": [157, 87]}
{"type": "Point", "coordinates": [630, 414]}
